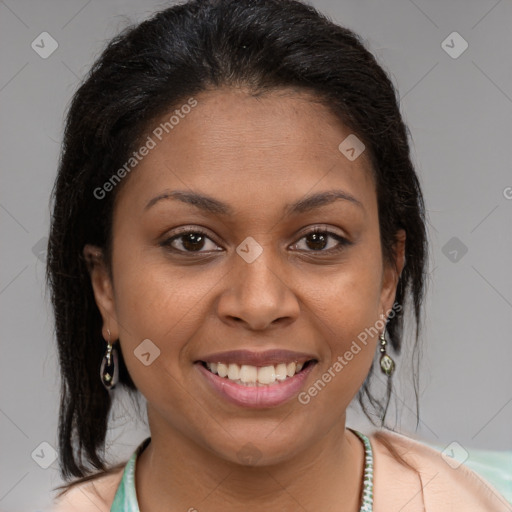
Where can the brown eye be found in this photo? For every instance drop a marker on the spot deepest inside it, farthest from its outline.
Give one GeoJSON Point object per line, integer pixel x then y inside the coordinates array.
{"type": "Point", "coordinates": [189, 241]}
{"type": "Point", "coordinates": [317, 240]}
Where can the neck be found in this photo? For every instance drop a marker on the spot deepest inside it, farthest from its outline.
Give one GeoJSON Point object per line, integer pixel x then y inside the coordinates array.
{"type": "Point", "coordinates": [175, 473]}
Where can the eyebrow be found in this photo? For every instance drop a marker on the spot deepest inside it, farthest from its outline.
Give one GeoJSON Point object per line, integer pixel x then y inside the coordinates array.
{"type": "Point", "coordinates": [212, 205]}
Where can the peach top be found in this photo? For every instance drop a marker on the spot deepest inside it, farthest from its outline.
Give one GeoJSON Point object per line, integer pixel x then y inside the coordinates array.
{"type": "Point", "coordinates": [439, 487]}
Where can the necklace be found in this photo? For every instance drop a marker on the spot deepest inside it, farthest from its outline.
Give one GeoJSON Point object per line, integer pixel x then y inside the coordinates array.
{"type": "Point", "coordinates": [367, 494]}
{"type": "Point", "coordinates": [125, 499]}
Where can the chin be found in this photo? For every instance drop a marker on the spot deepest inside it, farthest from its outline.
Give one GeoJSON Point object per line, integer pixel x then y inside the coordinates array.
{"type": "Point", "coordinates": [257, 450]}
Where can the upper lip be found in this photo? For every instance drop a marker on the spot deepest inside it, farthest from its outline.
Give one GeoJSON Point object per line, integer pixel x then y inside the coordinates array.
{"type": "Point", "coordinates": [266, 358]}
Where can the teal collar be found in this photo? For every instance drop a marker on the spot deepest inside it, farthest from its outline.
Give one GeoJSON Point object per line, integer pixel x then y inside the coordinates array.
{"type": "Point", "coordinates": [125, 499]}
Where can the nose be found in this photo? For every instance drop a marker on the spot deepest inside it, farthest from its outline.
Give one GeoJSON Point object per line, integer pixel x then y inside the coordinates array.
{"type": "Point", "coordinates": [258, 295]}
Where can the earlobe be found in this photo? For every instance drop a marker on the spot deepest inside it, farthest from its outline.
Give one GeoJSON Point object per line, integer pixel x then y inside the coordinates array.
{"type": "Point", "coordinates": [102, 288]}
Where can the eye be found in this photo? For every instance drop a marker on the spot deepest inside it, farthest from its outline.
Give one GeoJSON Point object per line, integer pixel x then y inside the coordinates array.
{"type": "Point", "coordinates": [318, 239]}
{"type": "Point", "coordinates": [190, 240]}
{"type": "Point", "coordinates": [194, 240]}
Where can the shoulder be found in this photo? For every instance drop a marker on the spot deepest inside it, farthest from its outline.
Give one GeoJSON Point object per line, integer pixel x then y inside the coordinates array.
{"type": "Point", "coordinates": [433, 482]}
{"type": "Point", "coordinates": [96, 494]}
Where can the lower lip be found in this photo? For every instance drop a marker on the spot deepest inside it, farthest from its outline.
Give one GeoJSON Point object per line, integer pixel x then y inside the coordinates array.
{"type": "Point", "coordinates": [257, 396]}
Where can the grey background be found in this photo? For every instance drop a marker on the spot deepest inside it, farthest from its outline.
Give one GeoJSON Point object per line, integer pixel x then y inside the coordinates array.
{"type": "Point", "coordinates": [459, 113]}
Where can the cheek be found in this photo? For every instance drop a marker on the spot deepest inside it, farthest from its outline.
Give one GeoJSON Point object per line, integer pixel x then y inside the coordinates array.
{"type": "Point", "coordinates": [350, 296]}
{"type": "Point", "coordinates": [154, 293]}
{"type": "Point", "coordinates": [162, 303]}
{"type": "Point", "coordinates": [345, 316]}
{"type": "Point", "coordinates": [347, 307]}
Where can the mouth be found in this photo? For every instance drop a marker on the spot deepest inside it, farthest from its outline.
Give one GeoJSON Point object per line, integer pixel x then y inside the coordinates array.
{"type": "Point", "coordinates": [257, 376]}
{"type": "Point", "coordinates": [256, 380]}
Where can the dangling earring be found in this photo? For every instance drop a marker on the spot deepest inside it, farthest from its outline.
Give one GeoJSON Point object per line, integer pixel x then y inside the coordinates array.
{"type": "Point", "coordinates": [109, 370]}
{"type": "Point", "coordinates": [387, 365]}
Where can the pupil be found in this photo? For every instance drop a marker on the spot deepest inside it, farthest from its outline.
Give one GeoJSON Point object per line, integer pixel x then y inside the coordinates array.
{"type": "Point", "coordinates": [318, 238]}
{"type": "Point", "coordinates": [193, 239]}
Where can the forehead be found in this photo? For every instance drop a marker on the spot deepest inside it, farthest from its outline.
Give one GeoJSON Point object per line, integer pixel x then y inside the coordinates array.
{"type": "Point", "coordinates": [233, 145]}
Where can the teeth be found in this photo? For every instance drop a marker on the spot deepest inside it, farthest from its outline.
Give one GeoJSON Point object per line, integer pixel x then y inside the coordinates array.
{"type": "Point", "coordinates": [222, 370]}
{"type": "Point", "coordinates": [247, 373]}
{"type": "Point", "coordinates": [266, 375]}
{"type": "Point", "coordinates": [254, 375]}
{"type": "Point", "coordinates": [281, 371]}
{"type": "Point", "coordinates": [233, 372]}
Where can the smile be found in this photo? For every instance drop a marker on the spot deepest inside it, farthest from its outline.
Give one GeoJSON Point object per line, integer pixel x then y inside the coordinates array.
{"type": "Point", "coordinates": [252, 386]}
{"type": "Point", "coordinates": [248, 375]}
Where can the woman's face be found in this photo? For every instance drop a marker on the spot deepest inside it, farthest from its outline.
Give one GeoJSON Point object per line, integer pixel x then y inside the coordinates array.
{"type": "Point", "coordinates": [254, 281]}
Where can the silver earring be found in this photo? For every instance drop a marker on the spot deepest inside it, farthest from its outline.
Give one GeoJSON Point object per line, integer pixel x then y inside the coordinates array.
{"type": "Point", "coordinates": [109, 370]}
{"type": "Point", "coordinates": [387, 365]}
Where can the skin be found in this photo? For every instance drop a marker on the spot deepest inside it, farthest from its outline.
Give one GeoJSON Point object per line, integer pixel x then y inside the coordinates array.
{"type": "Point", "coordinates": [256, 155]}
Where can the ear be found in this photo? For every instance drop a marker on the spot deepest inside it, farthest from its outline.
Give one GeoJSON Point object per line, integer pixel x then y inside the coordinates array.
{"type": "Point", "coordinates": [103, 289]}
{"type": "Point", "coordinates": [392, 271]}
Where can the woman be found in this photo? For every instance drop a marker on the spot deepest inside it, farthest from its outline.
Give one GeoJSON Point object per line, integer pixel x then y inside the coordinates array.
{"type": "Point", "coordinates": [237, 231]}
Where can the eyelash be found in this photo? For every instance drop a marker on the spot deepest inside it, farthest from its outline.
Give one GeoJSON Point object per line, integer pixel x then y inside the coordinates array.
{"type": "Point", "coordinates": [343, 242]}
